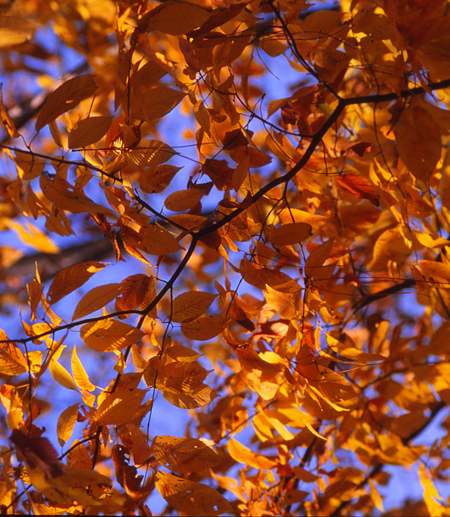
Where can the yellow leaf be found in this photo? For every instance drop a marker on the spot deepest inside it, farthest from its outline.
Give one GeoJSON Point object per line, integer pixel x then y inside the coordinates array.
{"type": "Point", "coordinates": [190, 305]}
{"type": "Point", "coordinates": [15, 30]}
{"type": "Point", "coordinates": [71, 278]}
{"type": "Point", "coordinates": [203, 328]}
{"type": "Point", "coordinates": [6, 119]}
{"type": "Point", "coordinates": [431, 495]}
{"type": "Point", "coordinates": [182, 200]}
{"type": "Point", "coordinates": [96, 298]}
{"type": "Point", "coordinates": [32, 236]}
{"type": "Point", "coordinates": [66, 423]}
{"type": "Point", "coordinates": [109, 335]}
{"type": "Point", "coordinates": [190, 497]}
{"type": "Point", "coordinates": [155, 103]}
{"type": "Point", "coordinates": [177, 18]}
{"type": "Point", "coordinates": [184, 455]}
{"type": "Point", "coordinates": [61, 375]}
{"type": "Point", "coordinates": [79, 373]}
{"type": "Point", "coordinates": [119, 407]}
{"type": "Point", "coordinates": [149, 153]}
{"type": "Point", "coordinates": [65, 98]}
{"type": "Point", "coordinates": [242, 454]}
{"type": "Point", "coordinates": [12, 361]}
{"type": "Point", "coordinates": [88, 131]}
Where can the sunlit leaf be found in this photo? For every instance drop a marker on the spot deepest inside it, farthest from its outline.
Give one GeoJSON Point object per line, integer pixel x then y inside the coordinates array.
{"type": "Point", "coordinates": [109, 335]}
{"type": "Point", "coordinates": [71, 278]}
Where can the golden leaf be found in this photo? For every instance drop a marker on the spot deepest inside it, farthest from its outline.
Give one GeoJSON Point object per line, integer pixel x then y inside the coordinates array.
{"type": "Point", "coordinates": [242, 454]}
{"type": "Point", "coordinates": [184, 455]}
{"type": "Point", "coordinates": [109, 335]}
{"type": "Point", "coordinates": [66, 423]}
{"type": "Point", "coordinates": [190, 497]}
{"type": "Point", "coordinates": [64, 196]}
{"type": "Point", "coordinates": [203, 328]}
{"type": "Point", "coordinates": [12, 361]}
{"type": "Point", "coordinates": [120, 407]}
{"type": "Point", "coordinates": [15, 30]}
{"type": "Point", "coordinates": [190, 305]}
{"type": "Point", "coordinates": [61, 375]}
{"type": "Point", "coordinates": [79, 373]}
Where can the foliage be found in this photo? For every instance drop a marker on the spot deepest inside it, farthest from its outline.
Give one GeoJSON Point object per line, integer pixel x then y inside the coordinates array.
{"type": "Point", "coordinates": [264, 257]}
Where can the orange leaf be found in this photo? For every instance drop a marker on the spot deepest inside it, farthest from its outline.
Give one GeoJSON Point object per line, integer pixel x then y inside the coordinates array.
{"type": "Point", "coordinates": [190, 497]}
{"type": "Point", "coordinates": [183, 199]}
{"type": "Point", "coordinates": [359, 187]}
{"type": "Point", "coordinates": [242, 454]}
{"type": "Point", "coordinates": [290, 233]}
{"type": "Point", "coordinates": [203, 328]}
{"type": "Point", "coordinates": [88, 131]}
{"type": "Point", "coordinates": [70, 278]}
{"type": "Point", "coordinates": [184, 455]}
{"type": "Point", "coordinates": [190, 305]}
{"type": "Point", "coordinates": [155, 103]}
{"type": "Point", "coordinates": [96, 298]}
{"type": "Point", "coordinates": [155, 180]}
{"type": "Point", "coordinates": [12, 361]}
{"type": "Point", "coordinates": [65, 98]}
{"type": "Point", "coordinates": [176, 18]}
{"type": "Point", "coordinates": [119, 407]}
{"type": "Point", "coordinates": [109, 335]}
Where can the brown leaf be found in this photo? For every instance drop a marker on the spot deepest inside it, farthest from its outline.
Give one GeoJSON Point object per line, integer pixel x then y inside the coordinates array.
{"type": "Point", "coordinates": [65, 98]}
{"type": "Point", "coordinates": [88, 131]}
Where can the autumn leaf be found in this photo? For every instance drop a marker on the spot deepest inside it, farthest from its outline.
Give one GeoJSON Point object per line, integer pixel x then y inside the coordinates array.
{"type": "Point", "coordinates": [71, 278]}
{"type": "Point", "coordinates": [190, 305]}
{"type": "Point", "coordinates": [184, 455]}
{"type": "Point", "coordinates": [65, 98]}
{"type": "Point", "coordinates": [191, 497]}
{"type": "Point", "coordinates": [109, 335]}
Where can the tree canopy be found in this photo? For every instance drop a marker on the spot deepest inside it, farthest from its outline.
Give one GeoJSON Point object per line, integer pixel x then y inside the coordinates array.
{"type": "Point", "coordinates": [240, 208]}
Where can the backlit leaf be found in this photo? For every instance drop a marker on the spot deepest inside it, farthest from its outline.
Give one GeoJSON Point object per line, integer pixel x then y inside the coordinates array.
{"type": "Point", "coordinates": [191, 497]}
{"type": "Point", "coordinates": [66, 423]}
{"type": "Point", "coordinates": [95, 299]}
{"type": "Point", "coordinates": [109, 335]}
{"type": "Point", "coordinates": [71, 278]}
{"type": "Point", "coordinates": [61, 375]}
{"type": "Point", "coordinates": [155, 103]}
{"type": "Point", "coordinates": [65, 98]}
{"type": "Point", "coordinates": [184, 455]}
{"type": "Point", "coordinates": [119, 407]}
{"type": "Point", "coordinates": [190, 305]}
